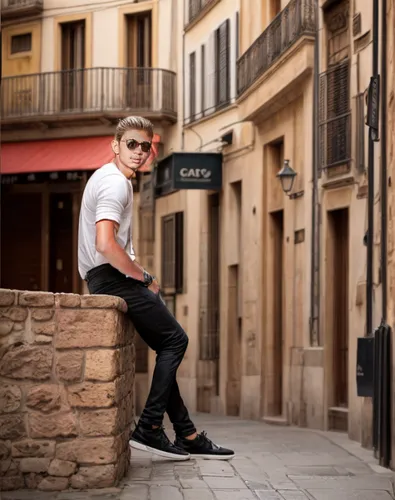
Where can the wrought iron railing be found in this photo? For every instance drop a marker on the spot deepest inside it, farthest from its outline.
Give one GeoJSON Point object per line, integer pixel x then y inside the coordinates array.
{"type": "Point", "coordinates": [90, 91]}
{"type": "Point", "coordinates": [195, 7]}
{"type": "Point", "coordinates": [295, 20]}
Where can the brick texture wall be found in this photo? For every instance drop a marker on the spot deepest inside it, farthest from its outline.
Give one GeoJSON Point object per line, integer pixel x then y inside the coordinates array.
{"type": "Point", "coordinates": [66, 390]}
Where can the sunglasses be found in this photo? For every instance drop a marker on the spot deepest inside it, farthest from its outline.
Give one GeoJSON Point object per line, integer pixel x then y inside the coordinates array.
{"type": "Point", "coordinates": [132, 144]}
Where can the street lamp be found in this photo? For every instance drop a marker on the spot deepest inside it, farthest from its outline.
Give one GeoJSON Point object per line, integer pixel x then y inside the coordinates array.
{"type": "Point", "coordinates": [287, 177]}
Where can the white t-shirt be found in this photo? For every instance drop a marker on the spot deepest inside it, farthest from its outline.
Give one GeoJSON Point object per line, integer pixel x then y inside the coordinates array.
{"type": "Point", "coordinates": [108, 195]}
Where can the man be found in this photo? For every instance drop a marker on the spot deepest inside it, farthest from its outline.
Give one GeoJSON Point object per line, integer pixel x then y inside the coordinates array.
{"type": "Point", "coordinates": [106, 260]}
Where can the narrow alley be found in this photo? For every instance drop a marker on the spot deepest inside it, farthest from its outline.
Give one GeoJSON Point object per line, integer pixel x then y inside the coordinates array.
{"type": "Point", "coordinates": [272, 463]}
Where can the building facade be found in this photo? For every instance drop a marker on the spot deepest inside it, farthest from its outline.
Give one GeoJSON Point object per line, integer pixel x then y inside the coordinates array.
{"type": "Point", "coordinates": [69, 72]}
{"type": "Point", "coordinates": [272, 288]}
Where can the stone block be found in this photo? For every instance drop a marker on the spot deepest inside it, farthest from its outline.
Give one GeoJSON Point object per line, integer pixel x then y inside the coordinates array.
{"type": "Point", "coordinates": [95, 451]}
{"type": "Point", "coordinates": [100, 422]}
{"type": "Point", "coordinates": [34, 464]}
{"type": "Point", "coordinates": [62, 424]}
{"type": "Point", "coordinates": [69, 366]}
{"type": "Point", "coordinates": [5, 449]}
{"type": "Point", "coordinates": [51, 483]}
{"type": "Point", "coordinates": [26, 362]}
{"type": "Point", "coordinates": [45, 398]}
{"type": "Point", "coordinates": [7, 297]}
{"type": "Point", "coordinates": [33, 448]}
{"type": "Point", "coordinates": [14, 313]}
{"type": "Point", "coordinates": [6, 326]}
{"type": "Point", "coordinates": [92, 395]}
{"type": "Point", "coordinates": [43, 339]}
{"type": "Point", "coordinates": [103, 302]}
{"type": "Point", "coordinates": [36, 299]}
{"type": "Point", "coordinates": [67, 300]}
{"type": "Point", "coordinates": [12, 427]}
{"type": "Point", "coordinates": [10, 398]}
{"type": "Point", "coordinates": [102, 365]}
{"type": "Point", "coordinates": [44, 327]}
{"type": "Point", "coordinates": [99, 476]}
{"type": "Point", "coordinates": [11, 482]}
{"type": "Point", "coordinates": [62, 468]}
{"type": "Point", "coordinates": [79, 328]}
{"type": "Point", "coordinates": [42, 314]}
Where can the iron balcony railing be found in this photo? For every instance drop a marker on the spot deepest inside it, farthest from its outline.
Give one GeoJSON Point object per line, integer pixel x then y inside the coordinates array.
{"type": "Point", "coordinates": [195, 7]}
{"type": "Point", "coordinates": [90, 91]}
{"type": "Point", "coordinates": [294, 21]}
{"type": "Point", "coordinates": [12, 8]}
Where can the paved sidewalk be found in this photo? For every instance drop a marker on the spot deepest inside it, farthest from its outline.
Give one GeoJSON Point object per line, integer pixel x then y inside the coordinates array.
{"type": "Point", "coordinates": [272, 463]}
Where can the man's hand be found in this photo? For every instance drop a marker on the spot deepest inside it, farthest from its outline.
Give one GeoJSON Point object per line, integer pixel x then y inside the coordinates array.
{"type": "Point", "coordinates": [154, 287]}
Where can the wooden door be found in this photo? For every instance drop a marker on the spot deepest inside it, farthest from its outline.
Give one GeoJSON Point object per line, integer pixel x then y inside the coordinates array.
{"type": "Point", "coordinates": [139, 60]}
{"type": "Point", "coordinates": [73, 64]}
{"type": "Point", "coordinates": [61, 253]}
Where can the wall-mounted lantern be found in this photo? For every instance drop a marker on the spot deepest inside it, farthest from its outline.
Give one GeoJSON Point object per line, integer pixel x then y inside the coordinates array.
{"type": "Point", "coordinates": [287, 177]}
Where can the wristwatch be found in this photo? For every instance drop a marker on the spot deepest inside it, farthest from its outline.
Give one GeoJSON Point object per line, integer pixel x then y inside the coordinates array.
{"type": "Point", "coordinates": [147, 279]}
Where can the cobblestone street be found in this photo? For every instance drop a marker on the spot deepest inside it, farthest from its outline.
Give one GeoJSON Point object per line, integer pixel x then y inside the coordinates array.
{"type": "Point", "coordinates": [272, 463]}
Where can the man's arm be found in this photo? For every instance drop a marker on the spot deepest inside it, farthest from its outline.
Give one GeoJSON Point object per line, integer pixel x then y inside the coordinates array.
{"type": "Point", "coordinates": [107, 245]}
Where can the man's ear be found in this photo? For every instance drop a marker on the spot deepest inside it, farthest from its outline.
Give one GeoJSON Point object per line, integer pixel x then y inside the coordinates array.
{"type": "Point", "coordinates": [115, 147]}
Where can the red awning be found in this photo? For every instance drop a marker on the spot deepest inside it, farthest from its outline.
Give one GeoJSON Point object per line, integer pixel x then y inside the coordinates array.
{"type": "Point", "coordinates": [83, 153]}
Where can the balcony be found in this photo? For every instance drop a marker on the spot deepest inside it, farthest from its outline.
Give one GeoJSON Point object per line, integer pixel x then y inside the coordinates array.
{"type": "Point", "coordinates": [20, 8]}
{"type": "Point", "coordinates": [85, 95]}
{"type": "Point", "coordinates": [296, 20]}
{"type": "Point", "coordinates": [197, 9]}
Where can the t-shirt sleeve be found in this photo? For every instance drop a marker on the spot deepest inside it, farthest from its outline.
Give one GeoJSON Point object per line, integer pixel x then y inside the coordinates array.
{"type": "Point", "coordinates": [112, 198]}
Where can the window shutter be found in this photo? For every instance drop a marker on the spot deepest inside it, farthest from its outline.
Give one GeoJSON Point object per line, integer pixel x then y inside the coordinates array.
{"type": "Point", "coordinates": [223, 64]}
{"type": "Point", "coordinates": [210, 74]}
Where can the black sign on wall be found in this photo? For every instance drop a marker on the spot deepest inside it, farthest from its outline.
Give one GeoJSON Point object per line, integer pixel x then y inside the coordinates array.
{"type": "Point", "coordinates": [189, 171]}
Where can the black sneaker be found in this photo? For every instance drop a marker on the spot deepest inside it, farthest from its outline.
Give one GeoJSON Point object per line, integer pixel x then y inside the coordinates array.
{"type": "Point", "coordinates": [156, 441]}
{"type": "Point", "coordinates": [203, 447]}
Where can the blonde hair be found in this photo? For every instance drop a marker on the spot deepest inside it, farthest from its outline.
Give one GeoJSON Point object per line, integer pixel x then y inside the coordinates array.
{"type": "Point", "coordinates": [133, 123]}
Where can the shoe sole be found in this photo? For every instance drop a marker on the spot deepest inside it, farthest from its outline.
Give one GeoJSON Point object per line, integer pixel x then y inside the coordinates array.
{"type": "Point", "coordinates": [165, 454]}
{"type": "Point", "coordinates": [213, 457]}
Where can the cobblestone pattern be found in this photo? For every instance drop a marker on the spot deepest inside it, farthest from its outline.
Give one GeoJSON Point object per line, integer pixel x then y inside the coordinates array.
{"type": "Point", "coordinates": [66, 391]}
{"type": "Point", "coordinates": [272, 463]}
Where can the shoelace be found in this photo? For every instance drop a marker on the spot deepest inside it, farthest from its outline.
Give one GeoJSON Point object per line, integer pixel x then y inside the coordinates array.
{"type": "Point", "coordinates": [208, 441]}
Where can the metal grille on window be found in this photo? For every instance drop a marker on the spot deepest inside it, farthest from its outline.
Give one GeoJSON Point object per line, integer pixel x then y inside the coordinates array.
{"type": "Point", "coordinates": [222, 65]}
{"type": "Point", "coordinates": [21, 43]}
{"type": "Point", "coordinates": [335, 116]}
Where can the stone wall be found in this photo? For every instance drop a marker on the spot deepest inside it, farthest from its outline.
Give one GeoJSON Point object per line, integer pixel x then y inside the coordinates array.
{"type": "Point", "coordinates": [66, 390]}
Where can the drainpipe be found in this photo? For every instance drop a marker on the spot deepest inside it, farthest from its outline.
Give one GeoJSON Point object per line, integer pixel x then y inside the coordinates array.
{"type": "Point", "coordinates": [383, 139]}
{"type": "Point", "coordinates": [315, 220]}
{"type": "Point", "coordinates": [372, 138]}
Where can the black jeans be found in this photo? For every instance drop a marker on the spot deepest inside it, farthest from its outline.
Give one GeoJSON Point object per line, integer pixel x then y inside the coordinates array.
{"type": "Point", "coordinates": [160, 330]}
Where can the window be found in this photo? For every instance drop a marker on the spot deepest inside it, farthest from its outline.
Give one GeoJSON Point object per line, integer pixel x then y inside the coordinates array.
{"type": "Point", "coordinates": [222, 65]}
{"type": "Point", "coordinates": [173, 253]}
{"type": "Point", "coordinates": [192, 85]}
{"type": "Point", "coordinates": [334, 116]}
{"type": "Point", "coordinates": [21, 43]}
